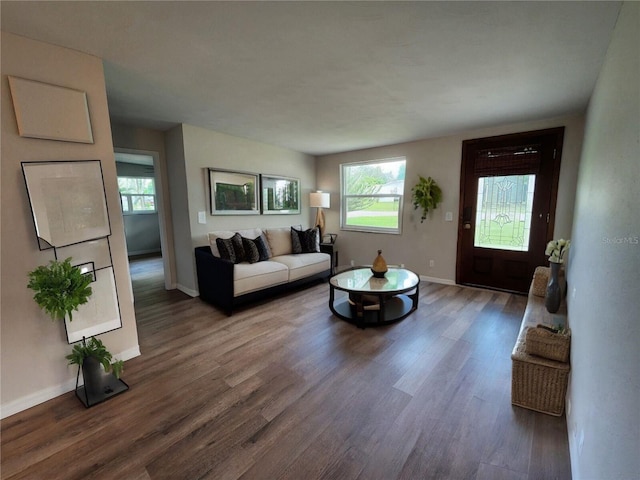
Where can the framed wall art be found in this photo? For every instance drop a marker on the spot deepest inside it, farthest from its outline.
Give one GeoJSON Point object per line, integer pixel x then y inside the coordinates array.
{"type": "Point", "coordinates": [280, 195]}
{"type": "Point", "coordinates": [101, 313]}
{"type": "Point", "coordinates": [68, 201]}
{"type": "Point", "coordinates": [233, 193]}
{"type": "Point", "coordinates": [50, 112]}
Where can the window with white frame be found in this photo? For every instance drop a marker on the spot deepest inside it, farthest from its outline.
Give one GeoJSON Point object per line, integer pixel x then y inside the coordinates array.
{"type": "Point", "coordinates": [372, 195]}
{"type": "Point", "coordinates": [137, 194]}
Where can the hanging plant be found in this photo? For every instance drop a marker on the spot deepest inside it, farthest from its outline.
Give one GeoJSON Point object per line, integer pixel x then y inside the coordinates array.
{"type": "Point", "coordinates": [60, 288]}
{"type": "Point", "coordinates": [426, 195]}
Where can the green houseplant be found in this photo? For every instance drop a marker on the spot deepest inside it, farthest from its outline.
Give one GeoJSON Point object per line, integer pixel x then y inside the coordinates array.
{"type": "Point", "coordinates": [92, 357]}
{"type": "Point", "coordinates": [94, 348]}
{"type": "Point", "coordinates": [426, 195]}
{"type": "Point", "coordinates": [60, 288]}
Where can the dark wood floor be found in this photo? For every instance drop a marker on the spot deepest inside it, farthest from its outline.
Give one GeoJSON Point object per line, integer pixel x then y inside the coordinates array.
{"type": "Point", "coordinates": [283, 390]}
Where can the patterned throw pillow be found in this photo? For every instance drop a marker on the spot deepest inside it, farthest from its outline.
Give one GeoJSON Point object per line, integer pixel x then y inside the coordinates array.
{"type": "Point", "coordinates": [225, 247]}
{"type": "Point", "coordinates": [307, 241]}
{"type": "Point", "coordinates": [238, 247]}
{"type": "Point", "coordinates": [255, 250]}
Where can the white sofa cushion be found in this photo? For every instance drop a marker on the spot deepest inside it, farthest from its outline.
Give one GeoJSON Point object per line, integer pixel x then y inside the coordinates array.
{"type": "Point", "coordinates": [249, 277]}
{"type": "Point", "coordinates": [279, 240]}
{"type": "Point", "coordinates": [250, 233]}
{"type": "Point", "coordinates": [304, 264]}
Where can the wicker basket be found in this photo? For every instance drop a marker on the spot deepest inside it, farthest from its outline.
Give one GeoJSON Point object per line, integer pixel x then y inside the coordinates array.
{"type": "Point", "coordinates": [540, 280]}
{"type": "Point", "coordinates": [543, 343]}
{"type": "Point", "coordinates": [538, 383]}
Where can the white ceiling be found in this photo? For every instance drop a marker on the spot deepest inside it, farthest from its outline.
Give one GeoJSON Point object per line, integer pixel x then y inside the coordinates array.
{"type": "Point", "coordinates": [324, 77]}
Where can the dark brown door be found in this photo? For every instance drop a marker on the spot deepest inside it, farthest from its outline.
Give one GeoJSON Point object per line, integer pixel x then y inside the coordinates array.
{"type": "Point", "coordinates": [508, 192]}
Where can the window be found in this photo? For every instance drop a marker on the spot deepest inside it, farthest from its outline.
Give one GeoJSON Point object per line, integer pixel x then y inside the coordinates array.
{"type": "Point", "coordinates": [372, 195]}
{"type": "Point", "coordinates": [137, 194]}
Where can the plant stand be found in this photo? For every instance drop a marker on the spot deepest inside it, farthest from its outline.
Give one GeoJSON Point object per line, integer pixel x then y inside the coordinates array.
{"type": "Point", "coordinates": [111, 386]}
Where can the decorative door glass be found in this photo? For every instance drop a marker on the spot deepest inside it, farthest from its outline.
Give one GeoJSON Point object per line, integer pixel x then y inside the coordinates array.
{"type": "Point", "coordinates": [503, 212]}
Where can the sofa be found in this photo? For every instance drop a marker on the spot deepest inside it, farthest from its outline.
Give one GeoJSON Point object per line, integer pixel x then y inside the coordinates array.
{"type": "Point", "coordinates": [240, 267]}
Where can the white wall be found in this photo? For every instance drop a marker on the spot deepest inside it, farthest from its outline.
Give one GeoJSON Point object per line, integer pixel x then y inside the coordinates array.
{"type": "Point", "coordinates": [440, 158]}
{"type": "Point", "coordinates": [603, 402]}
{"type": "Point", "coordinates": [33, 367]}
{"type": "Point", "coordinates": [190, 152]}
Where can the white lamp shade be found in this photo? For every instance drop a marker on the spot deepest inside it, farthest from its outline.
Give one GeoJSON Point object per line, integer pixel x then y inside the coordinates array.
{"type": "Point", "coordinates": [319, 200]}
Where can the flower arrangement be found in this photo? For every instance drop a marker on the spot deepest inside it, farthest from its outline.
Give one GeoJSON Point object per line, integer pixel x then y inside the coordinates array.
{"type": "Point", "coordinates": [557, 249]}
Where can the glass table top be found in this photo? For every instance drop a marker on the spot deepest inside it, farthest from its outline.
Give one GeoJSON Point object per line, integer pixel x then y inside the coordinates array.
{"type": "Point", "coordinates": [362, 280]}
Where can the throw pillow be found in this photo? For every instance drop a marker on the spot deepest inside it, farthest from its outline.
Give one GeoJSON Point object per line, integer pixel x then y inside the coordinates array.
{"type": "Point", "coordinates": [238, 247]}
{"type": "Point", "coordinates": [255, 250]}
{"type": "Point", "coordinates": [307, 241]}
{"type": "Point", "coordinates": [225, 247]}
{"type": "Point", "coordinates": [279, 240]}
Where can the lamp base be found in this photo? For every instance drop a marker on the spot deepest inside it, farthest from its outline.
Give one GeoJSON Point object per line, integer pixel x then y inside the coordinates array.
{"type": "Point", "coordinates": [320, 221]}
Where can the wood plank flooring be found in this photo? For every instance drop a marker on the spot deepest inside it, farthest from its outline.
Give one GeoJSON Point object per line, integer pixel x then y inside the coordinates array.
{"type": "Point", "coordinates": [284, 390]}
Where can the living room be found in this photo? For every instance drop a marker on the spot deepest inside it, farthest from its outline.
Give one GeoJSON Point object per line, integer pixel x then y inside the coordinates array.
{"type": "Point", "coordinates": [595, 208]}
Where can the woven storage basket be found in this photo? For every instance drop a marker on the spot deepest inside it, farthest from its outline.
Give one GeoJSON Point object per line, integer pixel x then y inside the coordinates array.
{"type": "Point", "coordinates": [538, 383]}
{"type": "Point", "coordinates": [540, 280]}
{"type": "Point", "coordinates": [546, 344]}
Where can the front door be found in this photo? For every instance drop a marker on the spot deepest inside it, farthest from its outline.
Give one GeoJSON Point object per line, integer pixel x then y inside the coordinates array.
{"type": "Point", "coordinates": [507, 207]}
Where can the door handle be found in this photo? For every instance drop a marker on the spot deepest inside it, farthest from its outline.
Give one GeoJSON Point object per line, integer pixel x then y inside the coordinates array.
{"type": "Point", "coordinates": [466, 225]}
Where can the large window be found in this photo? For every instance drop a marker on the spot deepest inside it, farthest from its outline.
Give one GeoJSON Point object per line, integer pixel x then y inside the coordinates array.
{"type": "Point", "coordinates": [138, 195]}
{"type": "Point", "coordinates": [372, 194]}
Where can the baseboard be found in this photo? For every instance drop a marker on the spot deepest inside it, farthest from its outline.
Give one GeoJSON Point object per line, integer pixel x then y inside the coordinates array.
{"type": "Point", "coordinates": [443, 281]}
{"type": "Point", "coordinates": [144, 252]}
{"type": "Point", "coordinates": [188, 291]}
{"type": "Point", "coordinates": [41, 396]}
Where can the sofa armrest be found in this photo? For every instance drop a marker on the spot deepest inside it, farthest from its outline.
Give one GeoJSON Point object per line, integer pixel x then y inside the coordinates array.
{"type": "Point", "coordinates": [215, 279]}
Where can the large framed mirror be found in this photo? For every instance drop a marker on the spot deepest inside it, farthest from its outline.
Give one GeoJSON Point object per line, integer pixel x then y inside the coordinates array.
{"type": "Point", "coordinates": [233, 193]}
{"type": "Point", "coordinates": [280, 195]}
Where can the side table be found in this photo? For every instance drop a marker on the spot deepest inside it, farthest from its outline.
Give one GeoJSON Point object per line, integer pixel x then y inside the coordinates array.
{"type": "Point", "coordinates": [330, 248]}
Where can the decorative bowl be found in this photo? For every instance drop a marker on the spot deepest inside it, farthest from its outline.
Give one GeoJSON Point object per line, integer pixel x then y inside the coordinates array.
{"type": "Point", "coordinates": [378, 274]}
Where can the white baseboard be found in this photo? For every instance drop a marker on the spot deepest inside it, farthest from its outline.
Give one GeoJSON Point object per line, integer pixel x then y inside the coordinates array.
{"type": "Point", "coordinates": [41, 396]}
{"type": "Point", "coordinates": [443, 281]}
{"type": "Point", "coordinates": [188, 291]}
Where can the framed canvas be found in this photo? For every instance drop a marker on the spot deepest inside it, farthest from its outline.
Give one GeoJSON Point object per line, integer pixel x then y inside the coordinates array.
{"type": "Point", "coordinates": [280, 195]}
{"type": "Point", "coordinates": [233, 193]}
{"type": "Point", "coordinates": [68, 201]}
{"type": "Point", "coordinates": [101, 313]}
{"type": "Point", "coordinates": [50, 112]}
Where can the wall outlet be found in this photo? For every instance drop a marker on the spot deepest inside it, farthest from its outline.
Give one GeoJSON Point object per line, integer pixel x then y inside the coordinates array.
{"type": "Point", "coordinates": [431, 263]}
{"type": "Point", "coordinates": [202, 218]}
{"type": "Point", "coordinates": [448, 217]}
{"type": "Point", "coordinates": [353, 264]}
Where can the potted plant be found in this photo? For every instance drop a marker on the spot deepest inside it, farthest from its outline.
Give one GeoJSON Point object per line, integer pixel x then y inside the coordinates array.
{"type": "Point", "coordinates": [60, 288]}
{"type": "Point", "coordinates": [426, 195]}
{"type": "Point", "coordinates": [92, 356]}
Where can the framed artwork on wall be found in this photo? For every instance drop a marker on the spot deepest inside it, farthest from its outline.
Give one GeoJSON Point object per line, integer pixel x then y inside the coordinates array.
{"type": "Point", "coordinates": [233, 193]}
{"type": "Point", "coordinates": [50, 112]}
{"type": "Point", "coordinates": [101, 313]}
{"type": "Point", "coordinates": [280, 195]}
{"type": "Point", "coordinates": [68, 201]}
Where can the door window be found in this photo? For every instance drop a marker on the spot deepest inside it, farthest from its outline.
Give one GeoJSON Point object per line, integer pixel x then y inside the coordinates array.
{"type": "Point", "coordinates": [503, 212]}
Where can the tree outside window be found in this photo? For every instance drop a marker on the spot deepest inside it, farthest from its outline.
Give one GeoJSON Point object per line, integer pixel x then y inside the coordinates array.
{"type": "Point", "coordinates": [137, 194]}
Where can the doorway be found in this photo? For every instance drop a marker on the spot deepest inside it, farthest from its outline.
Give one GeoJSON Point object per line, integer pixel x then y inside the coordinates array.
{"type": "Point", "coordinates": [150, 159]}
{"type": "Point", "coordinates": [508, 191]}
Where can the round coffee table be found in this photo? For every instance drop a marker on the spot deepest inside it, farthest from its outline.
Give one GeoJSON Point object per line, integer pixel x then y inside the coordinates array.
{"type": "Point", "coordinates": [371, 300]}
